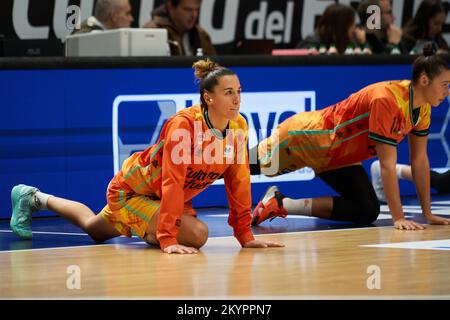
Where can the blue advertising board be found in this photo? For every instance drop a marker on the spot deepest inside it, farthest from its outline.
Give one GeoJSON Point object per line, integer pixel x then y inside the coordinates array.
{"type": "Point", "coordinates": [66, 131]}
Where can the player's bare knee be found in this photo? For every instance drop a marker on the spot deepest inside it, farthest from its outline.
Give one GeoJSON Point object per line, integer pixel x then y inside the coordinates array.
{"type": "Point", "coordinates": [200, 235]}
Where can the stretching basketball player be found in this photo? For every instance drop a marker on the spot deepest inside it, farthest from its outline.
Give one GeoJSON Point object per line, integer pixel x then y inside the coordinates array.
{"type": "Point", "coordinates": [334, 141]}
{"type": "Point", "coordinates": [147, 197]}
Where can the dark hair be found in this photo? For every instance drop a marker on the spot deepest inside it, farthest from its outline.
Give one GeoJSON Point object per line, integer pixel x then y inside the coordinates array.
{"type": "Point", "coordinates": [429, 63]}
{"type": "Point", "coordinates": [362, 9]}
{"type": "Point", "coordinates": [208, 74]}
{"type": "Point", "coordinates": [334, 24]}
{"type": "Point", "coordinates": [418, 26]}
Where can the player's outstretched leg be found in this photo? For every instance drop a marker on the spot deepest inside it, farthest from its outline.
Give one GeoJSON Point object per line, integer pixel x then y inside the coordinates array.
{"type": "Point", "coordinates": [26, 200]}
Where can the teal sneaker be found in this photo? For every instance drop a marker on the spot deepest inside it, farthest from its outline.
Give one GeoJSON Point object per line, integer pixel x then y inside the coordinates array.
{"type": "Point", "coordinates": [21, 198]}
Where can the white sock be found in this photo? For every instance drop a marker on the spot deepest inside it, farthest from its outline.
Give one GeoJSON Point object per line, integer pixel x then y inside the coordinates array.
{"type": "Point", "coordinates": [40, 200]}
{"type": "Point", "coordinates": [298, 206]}
{"type": "Point", "coordinates": [399, 168]}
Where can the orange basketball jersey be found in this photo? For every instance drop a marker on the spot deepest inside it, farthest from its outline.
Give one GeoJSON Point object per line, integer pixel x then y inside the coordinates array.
{"type": "Point", "coordinates": [187, 158]}
{"type": "Point", "coordinates": [346, 132]}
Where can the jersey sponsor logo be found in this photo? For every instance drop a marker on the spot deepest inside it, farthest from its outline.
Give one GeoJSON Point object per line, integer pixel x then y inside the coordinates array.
{"type": "Point", "coordinates": [138, 120]}
{"type": "Point", "coordinates": [200, 179]}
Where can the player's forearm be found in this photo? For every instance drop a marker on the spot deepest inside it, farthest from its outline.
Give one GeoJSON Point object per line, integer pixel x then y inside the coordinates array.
{"type": "Point", "coordinates": [421, 176]}
{"type": "Point", "coordinates": [390, 183]}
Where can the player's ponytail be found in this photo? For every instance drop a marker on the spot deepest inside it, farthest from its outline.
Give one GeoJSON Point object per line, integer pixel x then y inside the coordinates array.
{"type": "Point", "coordinates": [208, 73]}
{"type": "Point", "coordinates": [430, 63]}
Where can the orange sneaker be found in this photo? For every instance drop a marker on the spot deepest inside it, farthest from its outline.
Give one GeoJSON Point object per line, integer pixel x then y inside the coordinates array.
{"type": "Point", "coordinates": [270, 207]}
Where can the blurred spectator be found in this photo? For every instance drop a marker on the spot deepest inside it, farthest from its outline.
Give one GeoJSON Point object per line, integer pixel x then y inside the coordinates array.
{"type": "Point", "coordinates": [387, 37]}
{"type": "Point", "coordinates": [335, 30]}
{"type": "Point", "coordinates": [109, 14]}
{"type": "Point", "coordinates": [186, 37]}
{"type": "Point", "coordinates": [426, 28]}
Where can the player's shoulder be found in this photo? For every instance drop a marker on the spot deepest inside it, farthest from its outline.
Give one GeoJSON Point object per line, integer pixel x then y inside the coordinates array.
{"type": "Point", "coordinates": [193, 112]}
{"type": "Point", "coordinates": [239, 123]}
{"type": "Point", "coordinates": [399, 87]}
{"type": "Point", "coordinates": [187, 116]}
{"type": "Point", "coordinates": [389, 90]}
{"type": "Point", "coordinates": [383, 86]}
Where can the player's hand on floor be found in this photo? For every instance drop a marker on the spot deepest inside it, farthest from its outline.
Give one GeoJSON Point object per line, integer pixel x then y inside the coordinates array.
{"type": "Point", "coordinates": [404, 224]}
{"type": "Point", "coordinates": [433, 219]}
{"type": "Point", "coordinates": [178, 248]}
{"type": "Point", "coordinates": [262, 244]}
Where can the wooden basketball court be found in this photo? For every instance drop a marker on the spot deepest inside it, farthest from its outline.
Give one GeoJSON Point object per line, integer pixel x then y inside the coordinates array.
{"type": "Point", "coordinates": [344, 263]}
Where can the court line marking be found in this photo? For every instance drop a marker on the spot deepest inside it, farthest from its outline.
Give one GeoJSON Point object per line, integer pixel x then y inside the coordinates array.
{"type": "Point", "coordinates": [416, 209]}
{"type": "Point", "coordinates": [75, 247]}
{"type": "Point", "coordinates": [306, 231]}
{"type": "Point", "coordinates": [441, 244]}
{"type": "Point", "coordinates": [220, 237]}
{"type": "Point", "coordinates": [443, 202]}
{"type": "Point", "coordinates": [52, 232]}
{"type": "Point", "coordinates": [319, 231]}
{"type": "Point", "coordinates": [58, 248]}
{"type": "Point", "coordinates": [381, 216]}
{"type": "Point", "coordinates": [61, 233]}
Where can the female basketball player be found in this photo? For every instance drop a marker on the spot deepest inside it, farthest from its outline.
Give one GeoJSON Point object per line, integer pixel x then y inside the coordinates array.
{"type": "Point", "coordinates": [334, 141]}
{"type": "Point", "coordinates": [147, 196]}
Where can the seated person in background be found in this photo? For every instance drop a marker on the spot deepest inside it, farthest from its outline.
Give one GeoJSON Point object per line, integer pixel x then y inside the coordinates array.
{"type": "Point", "coordinates": [186, 37]}
{"type": "Point", "coordinates": [438, 181]}
{"type": "Point", "coordinates": [335, 30]}
{"type": "Point", "coordinates": [388, 37]}
{"type": "Point", "coordinates": [109, 14]}
{"type": "Point", "coordinates": [426, 28]}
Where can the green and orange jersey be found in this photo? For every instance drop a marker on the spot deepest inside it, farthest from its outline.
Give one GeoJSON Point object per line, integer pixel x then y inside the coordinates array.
{"type": "Point", "coordinates": [346, 133]}
{"type": "Point", "coordinates": [186, 159]}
